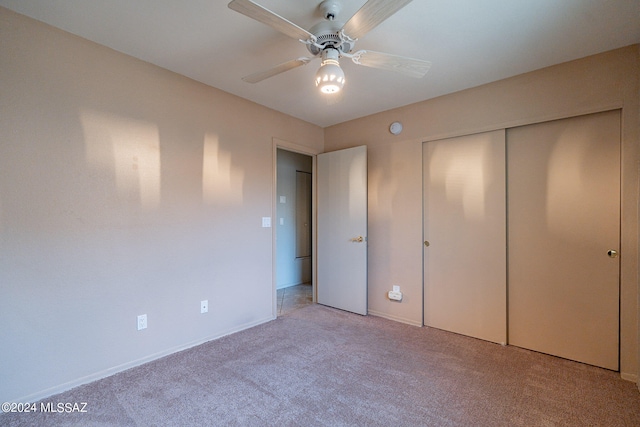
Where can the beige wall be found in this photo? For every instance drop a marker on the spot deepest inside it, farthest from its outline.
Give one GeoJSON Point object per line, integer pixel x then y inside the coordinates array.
{"type": "Point", "coordinates": [597, 83]}
{"type": "Point", "coordinates": [124, 189]}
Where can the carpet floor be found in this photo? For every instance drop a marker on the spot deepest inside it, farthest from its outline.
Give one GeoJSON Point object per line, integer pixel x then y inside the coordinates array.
{"type": "Point", "coordinates": [318, 366]}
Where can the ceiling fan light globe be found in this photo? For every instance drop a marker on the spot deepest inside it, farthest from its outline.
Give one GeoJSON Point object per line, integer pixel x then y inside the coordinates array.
{"type": "Point", "coordinates": [330, 88]}
{"type": "Point", "coordinates": [330, 78]}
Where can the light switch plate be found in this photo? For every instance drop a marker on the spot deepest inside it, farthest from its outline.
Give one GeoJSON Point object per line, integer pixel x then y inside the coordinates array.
{"type": "Point", "coordinates": [283, 199]}
{"type": "Point", "coordinates": [266, 221]}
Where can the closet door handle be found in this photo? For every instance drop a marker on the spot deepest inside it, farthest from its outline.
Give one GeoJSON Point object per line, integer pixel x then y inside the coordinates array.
{"type": "Point", "coordinates": [612, 253]}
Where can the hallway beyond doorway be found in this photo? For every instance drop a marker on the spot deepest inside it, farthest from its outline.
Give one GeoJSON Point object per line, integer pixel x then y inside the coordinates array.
{"type": "Point", "coordinates": [294, 297]}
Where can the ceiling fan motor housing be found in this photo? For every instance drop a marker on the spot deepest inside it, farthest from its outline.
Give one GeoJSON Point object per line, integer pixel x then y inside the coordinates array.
{"type": "Point", "coordinates": [328, 35]}
{"type": "Point", "coordinates": [330, 9]}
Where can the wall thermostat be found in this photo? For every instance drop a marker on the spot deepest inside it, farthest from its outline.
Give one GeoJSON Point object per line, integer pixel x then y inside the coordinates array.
{"type": "Point", "coordinates": [395, 128]}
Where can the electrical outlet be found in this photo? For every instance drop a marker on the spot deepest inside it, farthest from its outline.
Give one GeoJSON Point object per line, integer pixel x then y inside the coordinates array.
{"type": "Point", "coordinates": [395, 295]}
{"type": "Point", "coordinates": [142, 322]}
{"type": "Point", "coordinates": [396, 288]}
{"type": "Point", "coordinates": [204, 306]}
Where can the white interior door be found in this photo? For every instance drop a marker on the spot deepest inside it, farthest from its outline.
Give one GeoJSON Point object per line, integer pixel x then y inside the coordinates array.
{"type": "Point", "coordinates": [342, 229]}
{"type": "Point", "coordinates": [465, 235]}
{"type": "Point", "coordinates": [564, 217]}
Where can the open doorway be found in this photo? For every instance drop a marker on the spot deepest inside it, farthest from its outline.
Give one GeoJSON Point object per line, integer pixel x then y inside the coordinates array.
{"type": "Point", "coordinates": [294, 230]}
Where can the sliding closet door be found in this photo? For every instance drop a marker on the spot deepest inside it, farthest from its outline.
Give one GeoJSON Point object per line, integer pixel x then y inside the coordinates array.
{"type": "Point", "coordinates": [564, 231]}
{"type": "Point", "coordinates": [465, 237]}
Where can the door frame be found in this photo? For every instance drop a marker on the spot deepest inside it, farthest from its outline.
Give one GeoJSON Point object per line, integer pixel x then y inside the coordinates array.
{"type": "Point", "coordinates": [309, 151]}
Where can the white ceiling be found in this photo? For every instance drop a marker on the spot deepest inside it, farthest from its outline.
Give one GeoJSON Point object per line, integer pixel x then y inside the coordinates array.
{"type": "Point", "coordinates": [469, 42]}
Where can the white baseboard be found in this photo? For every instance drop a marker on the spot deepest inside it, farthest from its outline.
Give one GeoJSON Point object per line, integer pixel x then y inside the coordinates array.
{"type": "Point", "coordinates": [31, 398]}
{"type": "Point", "coordinates": [290, 285]}
{"type": "Point", "coordinates": [120, 368]}
{"type": "Point", "coordinates": [629, 377]}
{"type": "Point", "coordinates": [624, 375]}
{"type": "Point", "coordinates": [394, 318]}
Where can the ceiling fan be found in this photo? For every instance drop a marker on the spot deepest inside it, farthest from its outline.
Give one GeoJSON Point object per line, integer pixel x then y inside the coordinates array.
{"type": "Point", "coordinates": [331, 40]}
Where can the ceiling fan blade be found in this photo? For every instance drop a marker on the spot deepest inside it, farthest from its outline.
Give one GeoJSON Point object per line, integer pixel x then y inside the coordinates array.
{"type": "Point", "coordinates": [281, 68]}
{"type": "Point", "coordinates": [408, 66]}
{"type": "Point", "coordinates": [370, 15]}
{"type": "Point", "coordinates": [264, 15]}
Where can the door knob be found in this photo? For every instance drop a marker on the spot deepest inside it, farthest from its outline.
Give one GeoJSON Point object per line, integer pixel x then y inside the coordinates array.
{"type": "Point", "coordinates": [612, 253]}
{"type": "Point", "coordinates": [426, 243]}
{"type": "Point", "coordinates": [358, 239]}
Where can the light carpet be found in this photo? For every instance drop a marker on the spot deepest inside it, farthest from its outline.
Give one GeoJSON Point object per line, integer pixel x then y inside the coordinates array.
{"type": "Point", "coordinates": [318, 366]}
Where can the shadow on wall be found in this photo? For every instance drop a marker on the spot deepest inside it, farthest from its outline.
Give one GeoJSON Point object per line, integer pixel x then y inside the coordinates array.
{"type": "Point", "coordinates": [221, 180]}
{"type": "Point", "coordinates": [466, 178]}
{"type": "Point", "coordinates": [131, 149]}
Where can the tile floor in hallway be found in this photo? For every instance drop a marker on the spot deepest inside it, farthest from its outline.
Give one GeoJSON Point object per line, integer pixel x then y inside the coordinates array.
{"type": "Point", "coordinates": [294, 297]}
